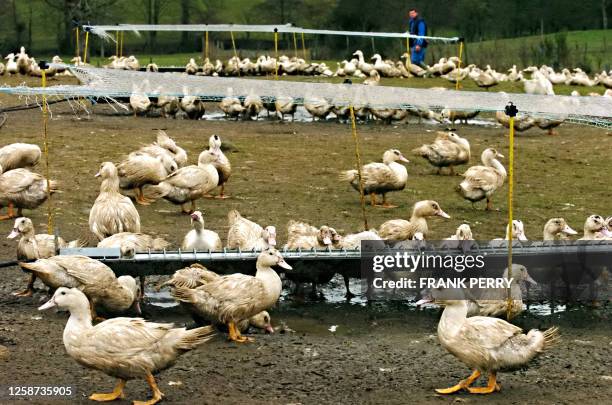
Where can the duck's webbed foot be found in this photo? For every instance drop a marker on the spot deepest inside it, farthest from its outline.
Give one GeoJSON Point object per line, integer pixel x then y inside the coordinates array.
{"type": "Point", "coordinates": [491, 387]}
{"type": "Point", "coordinates": [463, 384]}
{"type": "Point", "coordinates": [117, 393]}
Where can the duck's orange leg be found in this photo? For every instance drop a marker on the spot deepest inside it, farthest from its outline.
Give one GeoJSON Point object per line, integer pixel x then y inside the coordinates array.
{"type": "Point", "coordinates": [221, 194]}
{"type": "Point", "coordinates": [29, 289]}
{"type": "Point", "coordinates": [157, 394]}
{"type": "Point", "coordinates": [117, 393]}
{"type": "Point", "coordinates": [489, 205]}
{"type": "Point", "coordinates": [235, 336]}
{"type": "Point", "coordinates": [385, 204]}
{"type": "Point", "coordinates": [492, 386]}
{"type": "Point", "coordinates": [373, 200]}
{"type": "Point", "coordinates": [463, 384]}
{"type": "Point", "coordinates": [140, 198]}
{"type": "Point", "coordinates": [10, 213]}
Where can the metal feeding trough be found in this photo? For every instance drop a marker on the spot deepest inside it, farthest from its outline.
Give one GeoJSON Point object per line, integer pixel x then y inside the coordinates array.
{"type": "Point", "coordinates": [547, 262]}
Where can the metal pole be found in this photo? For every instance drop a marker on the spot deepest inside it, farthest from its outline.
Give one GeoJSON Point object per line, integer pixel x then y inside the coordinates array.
{"type": "Point", "coordinates": [511, 112]}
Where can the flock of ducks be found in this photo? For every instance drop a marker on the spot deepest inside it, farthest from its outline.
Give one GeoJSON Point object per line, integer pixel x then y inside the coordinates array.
{"type": "Point", "coordinates": [129, 348]}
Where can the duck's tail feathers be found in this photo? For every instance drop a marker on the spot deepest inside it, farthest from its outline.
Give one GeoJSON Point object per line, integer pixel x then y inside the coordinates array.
{"type": "Point", "coordinates": [551, 337]}
{"type": "Point", "coordinates": [33, 267]}
{"type": "Point", "coordinates": [195, 337]}
{"type": "Point", "coordinates": [349, 175]}
{"type": "Point", "coordinates": [183, 294]}
{"type": "Point", "coordinates": [53, 186]}
{"type": "Point", "coordinates": [233, 216]}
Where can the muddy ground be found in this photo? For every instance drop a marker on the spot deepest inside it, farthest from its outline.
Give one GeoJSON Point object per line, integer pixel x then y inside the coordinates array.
{"type": "Point", "coordinates": [379, 354]}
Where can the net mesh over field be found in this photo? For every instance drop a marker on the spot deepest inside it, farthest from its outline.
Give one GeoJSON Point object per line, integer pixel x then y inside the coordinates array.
{"type": "Point", "coordinates": [111, 83]}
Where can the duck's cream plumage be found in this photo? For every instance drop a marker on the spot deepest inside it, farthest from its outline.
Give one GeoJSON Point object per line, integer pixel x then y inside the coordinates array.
{"type": "Point", "coordinates": [232, 298]}
{"type": "Point", "coordinates": [481, 182]}
{"type": "Point", "coordinates": [22, 188]}
{"type": "Point", "coordinates": [112, 212]}
{"type": "Point", "coordinates": [187, 184]}
{"type": "Point", "coordinates": [244, 234]}
{"type": "Point", "coordinates": [215, 155]}
{"type": "Point", "coordinates": [199, 238]}
{"type": "Point", "coordinates": [92, 277]}
{"type": "Point", "coordinates": [400, 229]}
{"type": "Point", "coordinates": [447, 150]}
{"type": "Point", "coordinates": [141, 242]}
{"type": "Point", "coordinates": [487, 344]}
{"type": "Point", "coordinates": [301, 235]}
{"type": "Point", "coordinates": [125, 348]}
{"type": "Point", "coordinates": [196, 276]}
{"type": "Point", "coordinates": [380, 178]}
{"type": "Point", "coordinates": [19, 155]}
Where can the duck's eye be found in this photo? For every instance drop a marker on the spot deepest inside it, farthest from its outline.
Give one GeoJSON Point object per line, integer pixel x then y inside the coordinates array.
{"type": "Point", "coordinates": [63, 292]}
{"type": "Point", "coordinates": [396, 152]}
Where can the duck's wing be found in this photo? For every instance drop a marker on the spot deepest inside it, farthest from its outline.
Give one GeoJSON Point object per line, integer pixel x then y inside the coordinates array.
{"type": "Point", "coordinates": [89, 272]}
{"type": "Point", "coordinates": [186, 177]}
{"type": "Point", "coordinates": [378, 175]}
{"type": "Point", "coordinates": [120, 339]}
{"type": "Point", "coordinates": [191, 277]}
{"type": "Point", "coordinates": [296, 228]}
{"type": "Point", "coordinates": [233, 296]}
{"type": "Point", "coordinates": [18, 180]}
{"type": "Point", "coordinates": [489, 333]}
{"type": "Point", "coordinates": [482, 177]}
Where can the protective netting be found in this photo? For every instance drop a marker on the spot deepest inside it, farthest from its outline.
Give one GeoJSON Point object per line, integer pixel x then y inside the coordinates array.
{"type": "Point", "coordinates": [105, 30]}
{"type": "Point", "coordinates": [110, 83]}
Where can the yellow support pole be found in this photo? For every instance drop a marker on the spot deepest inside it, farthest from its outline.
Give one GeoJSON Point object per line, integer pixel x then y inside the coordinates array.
{"type": "Point", "coordinates": [275, 53]}
{"type": "Point", "coordinates": [45, 118]}
{"type": "Point", "coordinates": [457, 85]}
{"type": "Point", "coordinates": [303, 46]}
{"type": "Point", "coordinates": [121, 46]}
{"type": "Point", "coordinates": [76, 30]}
{"type": "Point", "coordinates": [234, 47]}
{"type": "Point", "coordinates": [295, 49]}
{"type": "Point", "coordinates": [86, 46]}
{"type": "Point", "coordinates": [206, 45]}
{"type": "Point", "coordinates": [358, 160]}
{"type": "Point", "coordinates": [117, 43]}
{"type": "Point", "coordinates": [511, 111]}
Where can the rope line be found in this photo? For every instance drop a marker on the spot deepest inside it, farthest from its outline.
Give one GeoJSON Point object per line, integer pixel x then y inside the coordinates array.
{"type": "Point", "coordinates": [457, 85]}
{"type": "Point", "coordinates": [303, 46]}
{"type": "Point", "coordinates": [510, 212]}
{"type": "Point", "coordinates": [234, 47]}
{"type": "Point", "coordinates": [358, 162]}
{"type": "Point", "coordinates": [275, 54]}
{"type": "Point", "coordinates": [45, 118]}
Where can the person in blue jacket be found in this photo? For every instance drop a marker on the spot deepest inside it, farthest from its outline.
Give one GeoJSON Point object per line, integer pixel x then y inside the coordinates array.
{"type": "Point", "coordinates": [417, 26]}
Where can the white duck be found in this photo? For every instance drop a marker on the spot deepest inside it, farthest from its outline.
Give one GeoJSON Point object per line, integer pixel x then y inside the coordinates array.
{"type": "Point", "coordinates": [112, 212]}
{"type": "Point", "coordinates": [192, 67]}
{"type": "Point", "coordinates": [482, 181]}
{"type": "Point", "coordinates": [301, 235]}
{"type": "Point", "coordinates": [220, 161]}
{"type": "Point", "coordinates": [232, 298]}
{"type": "Point", "coordinates": [364, 67]}
{"type": "Point", "coordinates": [557, 228]}
{"type": "Point", "coordinates": [35, 246]}
{"type": "Point", "coordinates": [247, 235]}
{"type": "Point", "coordinates": [192, 105]}
{"type": "Point", "coordinates": [139, 101]}
{"type": "Point", "coordinates": [18, 155]}
{"type": "Point", "coordinates": [201, 239]}
{"type": "Point", "coordinates": [318, 107]}
{"type": "Point", "coordinates": [187, 184]}
{"type": "Point", "coordinates": [595, 227]}
{"type": "Point", "coordinates": [380, 178]}
{"type": "Point", "coordinates": [124, 348]}
{"type": "Point", "coordinates": [11, 65]}
{"type": "Point", "coordinates": [447, 150]}
{"type": "Point", "coordinates": [94, 278]}
{"type": "Point", "coordinates": [400, 229]}
{"type": "Point", "coordinates": [518, 233]}
{"type": "Point", "coordinates": [231, 107]}
{"type": "Point", "coordinates": [487, 345]}
{"type": "Point", "coordinates": [285, 105]}
{"type": "Point", "coordinates": [253, 106]}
